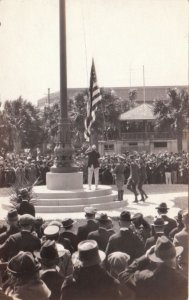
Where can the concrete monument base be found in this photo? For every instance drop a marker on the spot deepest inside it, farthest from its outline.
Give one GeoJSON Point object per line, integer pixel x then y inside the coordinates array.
{"type": "Point", "coordinates": [74, 200]}
{"type": "Point", "coordinates": [64, 181]}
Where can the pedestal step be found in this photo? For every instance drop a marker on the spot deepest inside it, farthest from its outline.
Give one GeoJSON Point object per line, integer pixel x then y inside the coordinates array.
{"type": "Point", "coordinates": [79, 208]}
{"type": "Point", "coordinates": [76, 201]}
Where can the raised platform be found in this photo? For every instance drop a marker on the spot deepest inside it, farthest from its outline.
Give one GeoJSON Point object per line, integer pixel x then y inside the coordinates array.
{"type": "Point", "coordinates": [59, 201]}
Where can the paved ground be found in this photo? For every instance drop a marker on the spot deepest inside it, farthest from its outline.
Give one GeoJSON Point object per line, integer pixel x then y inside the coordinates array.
{"type": "Point", "coordinates": [176, 197]}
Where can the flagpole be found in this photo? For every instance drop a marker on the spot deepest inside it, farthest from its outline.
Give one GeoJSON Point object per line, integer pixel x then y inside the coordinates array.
{"type": "Point", "coordinates": [144, 88]}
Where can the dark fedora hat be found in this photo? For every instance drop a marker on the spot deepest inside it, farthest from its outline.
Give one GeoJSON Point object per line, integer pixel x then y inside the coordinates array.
{"type": "Point", "coordinates": [125, 216]}
{"type": "Point", "coordinates": [102, 218]}
{"type": "Point", "coordinates": [164, 250]}
{"type": "Point", "coordinates": [67, 222]}
{"type": "Point", "coordinates": [50, 250]}
{"type": "Point", "coordinates": [159, 224]}
{"type": "Point", "coordinates": [88, 254]}
{"type": "Point", "coordinates": [162, 206]}
{"type": "Point", "coordinates": [12, 215]}
{"type": "Point", "coordinates": [23, 264]}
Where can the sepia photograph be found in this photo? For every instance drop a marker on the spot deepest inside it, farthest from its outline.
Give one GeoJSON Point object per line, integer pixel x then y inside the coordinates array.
{"type": "Point", "coordinates": [94, 149]}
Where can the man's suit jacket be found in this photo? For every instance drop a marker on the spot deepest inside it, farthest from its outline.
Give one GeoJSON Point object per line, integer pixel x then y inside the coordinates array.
{"type": "Point", "coordinates": [93, 157]}
{"type": "Point", "coordinates": [85, 229]}
{"type": "Point", "coordinates": [171, 224]}
{"type": "Point", "coordinates": [21, 241]}
{"type": "Point", "coordinates": [101, 236]}
{"type": "Point", "coordinates": [125, 241]}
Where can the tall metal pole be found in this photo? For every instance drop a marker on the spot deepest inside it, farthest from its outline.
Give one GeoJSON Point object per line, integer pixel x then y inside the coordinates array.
{"type": "Point", "coordinates": [63, 151]}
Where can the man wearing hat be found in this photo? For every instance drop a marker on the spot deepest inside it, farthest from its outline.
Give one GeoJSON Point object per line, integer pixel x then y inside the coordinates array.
{"type": "Point", "coordinates": [56, 265]}
{"type": "Point", "coordinates": [158, 228]}
{"type": "Point", "coordinates": [164, 282]}
{"type": "Point", "coordinates": [89, 226]}
{"type": "Point", "coordinates": [134, 177]}
{"type": "Point", "coordinates": [162, 210]}
{"type": "Point", "coordinates": [120, 177]}
{"type": "Point", "coordinates": [90, 280]}
{"type": "Point", "coordinates": [181, 239]}
{"type": "Point", "coordinates": [93, 165]}
{"type": "Point", "coordinates": [102, 234]}
{"type": "Point", "coordinates": [25, 207]}
{"type": "Point", "coordinates": [69, 232]}
{"type": "Point", "coordinates": [25, 282]}
{"type": "Point", "coordinates": [11, 227]}
{"type": "Point", "coordinates": [24, 240]}
{"type": "Point", "coordinates": [125, 240]}
{"type": "Point", "coordinates": [142, 226]}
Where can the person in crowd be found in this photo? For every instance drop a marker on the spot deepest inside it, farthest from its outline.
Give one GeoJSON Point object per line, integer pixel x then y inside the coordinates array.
{"type": "Point", "coordinates": [158, 228]}
{"type": "Point", "coordinates": [106, 175]}
{"type": "Point", "coordinates": [69, 232]}
{"type": "Point", "coordinates": [10, 175]}
{"type": "Point", "coordinates": [181, 239]}
{"type": "Point", "coordinates": [25, 207]}
{"type": "Point", "coordinates": [142, 179]}
{"type": "Point", "coordinates": [91, 281]}
{"type": "Point", "coordinates": [31, 172]}
{"type": "Point", "coordinates": [2, 176]}
{"type": "Point", "coordinates": [52, 232]}
{"type": "Point", "coordinates": [24, 282]}
{"type": "Point", "coordinates": [119, 177]}
{"type": "Point", "coordinates": [162, 282]}
{"type": "Point", "coordinates": [168, 172]}
{"type": "Point", "coordinates": [162, 210]}
{"type": "Point", "coordinates": [38, 226]}
{"type": "Point", "coordinates": [126, 240]}
{"type": "Point", "coordinates": [11, 227]}
{"type": "Point", "coordinates": [117, 262]}
{"type": "Point", "coordinates": [43, 169]}
{"type": "Point", "coordinates": [142, 226]}
{"type": "Point", "coordinates": [93, 165]}
{"type": "Point", "coordinates": [20, 175]}
{"type": "Point", "coordinates": [89, 226]}
{"type": "Point", "coordinates": [133, 178]}
{"type": "Point", "coordinates": [102, 234]}
{"type": "Point", "coordinates": [55, 266]}
{"type": "Point", "coordinates": [180, 225]}
{"type": "Point", "coordinates": [25, 240]}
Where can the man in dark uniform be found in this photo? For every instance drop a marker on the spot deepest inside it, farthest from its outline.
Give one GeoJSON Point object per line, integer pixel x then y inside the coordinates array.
{"type": "Point", "coordinates": [91, 224]}
{"type": "Point", "coordinates": [93, 165]}
{"type": "Point", "coordinates": [133, 178]}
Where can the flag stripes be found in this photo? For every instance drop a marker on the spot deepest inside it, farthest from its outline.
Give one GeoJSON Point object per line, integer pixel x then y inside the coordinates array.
{"type": "Point", "coordinates": [94, 98]}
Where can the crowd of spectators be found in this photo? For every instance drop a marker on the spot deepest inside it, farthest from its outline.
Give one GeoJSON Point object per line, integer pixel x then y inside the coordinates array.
{"type": "Point", "coordinates": [100, 259]}
{"type": "Point", "coordinates": [160, 168]}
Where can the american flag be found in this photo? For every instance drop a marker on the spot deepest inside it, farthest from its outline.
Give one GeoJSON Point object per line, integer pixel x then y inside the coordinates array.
{"type": "Point", "coordinates": [94, 98]}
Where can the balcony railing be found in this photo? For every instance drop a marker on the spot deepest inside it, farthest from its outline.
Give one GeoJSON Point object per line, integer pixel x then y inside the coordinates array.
{"type": "Point", "coordinates": [148, 136]}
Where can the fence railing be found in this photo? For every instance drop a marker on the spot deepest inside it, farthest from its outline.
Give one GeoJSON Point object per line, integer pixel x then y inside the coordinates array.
{"type": "Point", "coordinates": [148, 135]}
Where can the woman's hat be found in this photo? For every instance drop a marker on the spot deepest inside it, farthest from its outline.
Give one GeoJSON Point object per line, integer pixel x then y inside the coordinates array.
{"type": "Point", "coordinates": [23, 264]}
{"type": "Point", "coordinates": [88, 254]}
{"type": "Point", "coordinates": [164, 250]}
{"type": "Point", "coordinates": [50, 250]}
{"type": "Point", "coordinates": [67, 222]}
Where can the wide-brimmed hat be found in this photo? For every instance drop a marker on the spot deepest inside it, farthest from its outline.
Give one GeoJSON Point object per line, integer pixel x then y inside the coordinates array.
{"type": "Point", "coordinates": [88, 254]}
{"type": "Point", "coordinates": [50, 250]}
{"type": "Point", "coordinates": [67, 222]}
{"type": "Point", "coordinates": [164, 250]}
{"type": "Point", "coordinates": [90, 210]}
{"type": "Point", "coordinates": [23, 264]}
{"type": "Point", "coordinates": [162, 206]}
{"type": "Point", "coordinates": [26, 220]}
{"type": "Point", "coordinates": [159, 224]}
{"type": "Point", "coordinates": [103, 218]}
{"type": "Point", "coordinates": [125, 216]}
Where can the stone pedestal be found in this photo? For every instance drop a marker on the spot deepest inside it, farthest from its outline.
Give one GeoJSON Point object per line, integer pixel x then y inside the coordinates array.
{"type": "Point", "coordinates": [64, 181]}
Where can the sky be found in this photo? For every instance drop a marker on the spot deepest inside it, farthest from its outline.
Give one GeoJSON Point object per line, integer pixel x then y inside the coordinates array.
{"type": "Point", "coordinates": [121, 35]}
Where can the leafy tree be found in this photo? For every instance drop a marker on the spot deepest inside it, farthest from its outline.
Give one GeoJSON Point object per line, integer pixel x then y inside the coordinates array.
{"type": "Point", "coordinates": [171, 114]}
{"type": "Point", "coordinates": [21, 124]}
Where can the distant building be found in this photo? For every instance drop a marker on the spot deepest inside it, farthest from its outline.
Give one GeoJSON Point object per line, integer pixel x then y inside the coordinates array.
{"type": "Point", "coordinates": [151, 93]}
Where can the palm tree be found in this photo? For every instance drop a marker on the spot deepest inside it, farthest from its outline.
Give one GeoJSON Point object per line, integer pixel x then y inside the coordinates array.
{"type": "Point", "coordinates": [172, 114]}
